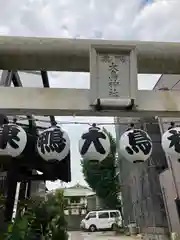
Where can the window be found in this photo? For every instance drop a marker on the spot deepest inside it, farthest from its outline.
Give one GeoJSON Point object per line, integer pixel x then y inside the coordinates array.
{"type": "Point", "coordinates": [103, 215]}
{"type": "Point", "coordinates": [114, 214]}
{"type": "Point", "coordinates": [92, 215]}
{"type": "Point", "coordinates": [75, 199]}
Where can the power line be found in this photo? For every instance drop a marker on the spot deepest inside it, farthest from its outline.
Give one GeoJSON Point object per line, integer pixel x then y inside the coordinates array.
{"type": "Point", "coordinates": [24, 118]}
{"type": "Point", "coordinates": [71, 122]}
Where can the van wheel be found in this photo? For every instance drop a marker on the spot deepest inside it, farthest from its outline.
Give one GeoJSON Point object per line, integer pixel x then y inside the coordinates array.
{"type": "Point", "coordinates": [92, 228]}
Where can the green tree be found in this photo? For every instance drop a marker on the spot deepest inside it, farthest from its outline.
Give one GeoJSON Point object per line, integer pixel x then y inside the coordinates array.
{"type": "Point", "coordinates": [41, 219]}
{"type": "Point", "coordinates": [101, 177]}
{"type": "Point", "coordinates": [58, 225]}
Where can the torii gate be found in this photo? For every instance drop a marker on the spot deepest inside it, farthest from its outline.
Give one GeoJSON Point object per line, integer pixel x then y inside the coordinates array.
{"type": "Point", "coordinates": [22, 53]}
{"type": "Point", "coordinates": [113, 67]}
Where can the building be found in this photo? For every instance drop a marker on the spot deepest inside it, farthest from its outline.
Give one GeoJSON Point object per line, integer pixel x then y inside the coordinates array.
{"type": "Point", "coordinates": [76, 198]}
{"type": "Point", "coordinates": [170, 178]}
{"type": "Point", "coordinates": [33, 188]}
{"type": "Point", "coordinates": [27, 79]}
{"type": "Point", "coordinates": [80, 199]}
{"type": "Point", "coordinates": [78, 202]}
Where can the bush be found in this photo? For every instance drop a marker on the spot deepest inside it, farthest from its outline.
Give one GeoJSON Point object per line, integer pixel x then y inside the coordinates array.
{"type": "Point", "coordinates": [39, 219]}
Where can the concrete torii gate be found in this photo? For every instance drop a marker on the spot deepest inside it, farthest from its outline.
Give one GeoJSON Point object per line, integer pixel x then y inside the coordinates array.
{"type": "Point", "coordinates": [22, 53]}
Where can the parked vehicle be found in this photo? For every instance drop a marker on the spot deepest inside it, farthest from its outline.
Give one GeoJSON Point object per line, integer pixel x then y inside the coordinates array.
{"type": "Point", "coordinates": [104, 219]}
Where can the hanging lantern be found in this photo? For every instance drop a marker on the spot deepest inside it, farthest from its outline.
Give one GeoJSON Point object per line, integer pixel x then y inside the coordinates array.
{"type": "Point", "coordinates": [135, 145]}
{"type": "Point", "coordinates": [13, 140]}
{"type": "Point", "coordinates": [171, 142]}
{"type": "Point", "coordinates": [53, 144]}
{"type": "Point", "coordinates": [94, 144]}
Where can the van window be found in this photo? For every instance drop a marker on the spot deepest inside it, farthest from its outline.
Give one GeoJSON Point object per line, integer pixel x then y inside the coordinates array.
{"type": "Point", "coordinates": [103, 215]}
{"type": "Point", "coordinates": [92, 215]}
{"type": "Point", "coordinates": [114, 214]}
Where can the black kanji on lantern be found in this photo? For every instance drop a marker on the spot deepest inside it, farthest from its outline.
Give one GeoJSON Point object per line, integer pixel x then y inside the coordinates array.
{"type": "Point", "coordinates": [139, 140]}
{"type": "Point", "coordinates": [52, 140]}
{"type": "Point", "coordinates": [93, 136]}
{"type": "Point", "coordinates": [175, 140]}
{"type": "Point", "coordinates": [9, 134]}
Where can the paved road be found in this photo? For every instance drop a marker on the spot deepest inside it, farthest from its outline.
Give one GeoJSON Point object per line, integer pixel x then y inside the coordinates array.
{"type": "Point", "coordinates": [96, 236]}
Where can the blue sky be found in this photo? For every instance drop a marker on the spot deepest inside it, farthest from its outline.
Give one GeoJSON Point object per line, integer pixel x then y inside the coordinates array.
{"type": "Point", "coordinates": [147, 1]}
{"type": "Point", "coordinates": [119, 20]}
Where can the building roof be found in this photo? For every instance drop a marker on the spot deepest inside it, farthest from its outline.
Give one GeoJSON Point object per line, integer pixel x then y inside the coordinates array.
{"type": "Point", "coordinates": [91, 194]}
{"type": "Point", "coordinates": [78, 186]}
{"type": "Point", "coordinates": [77, 190]}
{"type": "Point", "coordinates": [168, 81]}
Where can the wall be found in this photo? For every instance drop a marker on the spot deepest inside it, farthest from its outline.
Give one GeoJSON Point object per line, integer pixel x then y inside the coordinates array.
{"type": "Point", "coordinates": [94, 203]}
{"type": "Point", "coordinates": [74, 221]}
{"type": "Point", "coordinates": [91, 203]}
{"type": "Point", "coordinates": [3, 183]}
{"type": "Point", "coordinates": [2, 192]}
{"type": "Point", "coordinates": [169, 195]}
{"type": "Point", "coordinates": [170, 182]}
{"type": "Point", "coordinates": [125, 167]}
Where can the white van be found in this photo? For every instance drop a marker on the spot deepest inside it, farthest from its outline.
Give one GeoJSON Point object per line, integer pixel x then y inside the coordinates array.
{"type": "Point", "coordinates": [104, 219]}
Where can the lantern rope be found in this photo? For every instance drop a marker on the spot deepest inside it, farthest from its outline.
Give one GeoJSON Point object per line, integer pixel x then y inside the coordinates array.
{"type": "Point", "coordinates": [131, 124]}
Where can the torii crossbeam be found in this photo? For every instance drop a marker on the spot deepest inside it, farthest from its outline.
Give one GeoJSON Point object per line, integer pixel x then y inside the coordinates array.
{"type": "Point", "coordinates": [20, 53]}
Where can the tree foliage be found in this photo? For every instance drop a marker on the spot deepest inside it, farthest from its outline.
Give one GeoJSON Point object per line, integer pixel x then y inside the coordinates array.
{"type": "Point", "coordinates": [40, 219]}
{"type": "Point", "coordinates": [101, 176]}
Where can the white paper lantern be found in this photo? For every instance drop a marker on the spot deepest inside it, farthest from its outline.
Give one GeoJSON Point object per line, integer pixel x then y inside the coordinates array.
{"type": "Point", "coordinates": [13, 140]}
{"type": "Point", "coordinates": [135, 145]}
{"type": "Point", "coordinates": [171, 142]}
{"type": "Point", "coordinates": [53, 144]}
{"type": "Point", "coordinates": [94, 144]}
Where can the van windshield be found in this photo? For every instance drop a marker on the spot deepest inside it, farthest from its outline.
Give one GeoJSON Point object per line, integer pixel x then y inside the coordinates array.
{"type": "Point", "coordinates": [114, 214]}
{"type": "Point", "coordinates": [91, 215]}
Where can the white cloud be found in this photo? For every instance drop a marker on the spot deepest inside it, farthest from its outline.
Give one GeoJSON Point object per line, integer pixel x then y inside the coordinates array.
{"type": "Point", "coordinates": [158, 21]}
{"type": "Point", "coordinates": [130, 19]}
